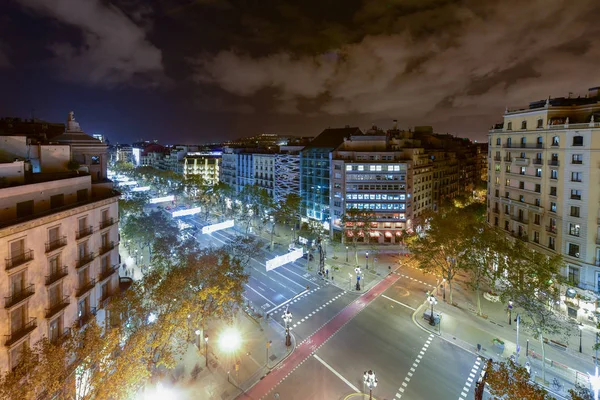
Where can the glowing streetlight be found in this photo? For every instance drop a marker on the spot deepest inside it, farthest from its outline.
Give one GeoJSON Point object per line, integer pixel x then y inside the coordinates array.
{"type": "Point", "coordinates": [230, 340]}
{"type": "Point", "coordinates": [206, 349]}
{"type": "Point", "coordinates": [357, 271]}
{"type": "Point", "coordinates": [510, 306]}
{"type": "Point", "coordinates": [367, 260]}
{"type": "Point", "coordinates": [595, 382]}
{"type": "Point", "coordinates": [159, 393]}
{"type": "Point", "coordinates": [287, 319]}
{"type": "Point", "coordinates": [346, 253]}
{"type": "Point", "coordinates": [152, 318]}
{"type": "Point", "coordinates": [432, 300]}
{"type": "Point", "coordinates": [580, 326]}
{"type": "Point", "coordinates": [370, 380]}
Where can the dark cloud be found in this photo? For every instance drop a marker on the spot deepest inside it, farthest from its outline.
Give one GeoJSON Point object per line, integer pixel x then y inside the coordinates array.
{"type": "Point", "coordinates": [112, 50]}
{"type": "Point", "coordinates": [4, 60]}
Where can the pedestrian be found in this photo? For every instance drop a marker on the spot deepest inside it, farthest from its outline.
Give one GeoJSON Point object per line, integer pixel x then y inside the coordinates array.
{"type": "Point", "coordinates": [124, 266]}
{"type": "Point", "coordinates": [327, 273]}
{"type": "Point", "coordinates": [133, 273]}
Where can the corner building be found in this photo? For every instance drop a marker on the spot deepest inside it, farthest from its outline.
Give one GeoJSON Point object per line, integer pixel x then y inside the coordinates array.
{"type": "Point", "coordinates": [544, 176]}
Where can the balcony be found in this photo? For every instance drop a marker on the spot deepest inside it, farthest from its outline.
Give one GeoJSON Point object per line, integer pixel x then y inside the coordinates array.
{"type": "Point", "coordinates": [522, 161]}
{"type": "Point", "coordinates": [57, 275]}
{"type": "Point", "coordinates": [105, 298]}
{"type": "Point", "coordinates": [86, 317]}
{"type": "Point", "coordinates": [107, 222]}
{"type": "Point", "coordinates": [86, 287]}
{"type": "Point", "coordinates": [57, 307]}
{"type": "Point", "coordinates": [20, 333]}
{"type": "Point", "coordinates": [508, 159]}
{"type": "Point", "coordinates": [554, 163]}
{"type": "Point", "coordinates": [18, 297]}
{"type": "Point", "coordinates": [19, 259]}
{"type": "Point", "coordinates": [107, 273]}
{"type": "Point", "coordinates": [86, 259]}
{"type": "Point", "coordinates": [106, 248]}
{"type": "Point", "coordinates": [519, 219]}
{"type": "Point", "coordinates": [497, 210]}
{"type": "Point", "coordinates": [56, 244]}
{"type": "Point", "coordinates": [576, 161]}
{"type": "Point", "coordinates": [497, 158]}
{"type": "Point", "coordinates": [523, 146]}
{"type": "Point", "coordinates": [538, 161]}
{"type": "Point", "coordinates": [84, 232]}
{"type": "Point", "coordinates": [551, 229]}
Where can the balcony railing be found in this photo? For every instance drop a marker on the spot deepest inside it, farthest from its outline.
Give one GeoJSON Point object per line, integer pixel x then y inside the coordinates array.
{"type": "Point", "coordinates": [18, 297]}
{"type": "Point", "coordinates": [106, 248]}
{"type": "Point", "coordinates": [538, 161]}
{"type": "Point", "coordinates": [508, 159]}
{"type": "Point", "coordinates": [523, 146]}
{"type": "Point", "coordinates": [57, 307]}
{"type": "Point", "coordinates": [551, 229]}
{"type": "Point", "coordinates": [107, 222]}
{"type": "Point", "coordinates": [21, 332]}
{"type": "Point", "coordinates": [497, 158]}
{"type": "Point", "coordinates": [19, 259]}
{"type": "Point", "coordinates": [85, 318]}
{"type": "Point", "coordinates": [521, 161]}
{"type": "Point", "coordinates": [555, 163]}
{"type": "Point", "coordinates": [84, 232]}
{"type": "Point", "coordinates": [56, 275]}
{"type": "Point", "coordinates": [107, 273]}
{"type": "Point", "coordinates": [56, 244]}
{"type": "Point", "coordinates": [105, 298]}
{"type": "Point", "coordinates": [86, 259]}
{"type": "Point", "coordinates": [86, 287]}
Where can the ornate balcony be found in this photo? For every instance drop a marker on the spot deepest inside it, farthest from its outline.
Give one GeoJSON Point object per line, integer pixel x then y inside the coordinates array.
{"type": "Point", "coordinates": [552, 162]}
{"type": "Point", "coordinates": [551, 229]}
{"type": "Point", "coordinates": [18, 334]}
{"type": "Point", "coordinates": [56, 244]}
{"type": "Point", "coordinates": [538, 161]}
{"type": "Point", "coordinates": [106, 248]}
{"type": "Point", "coordinates": [107, 273]}
{"type": "Point", "coordinates": [16, 298]}
{"type": "Point", "coordinates": [86, 259]}
{"type": "Point", "coordinates": [107, 222]}
{"type": "Point", "coordinates": [86, 287]}
{"type": "Point", "coordinates": [19, 259]}
{"type": "Point", "coordinates": [57, 275]}
{"type": "Point", "coordinates": [57, 307]}
{"type": "Point", "coordinates": [84, 232]}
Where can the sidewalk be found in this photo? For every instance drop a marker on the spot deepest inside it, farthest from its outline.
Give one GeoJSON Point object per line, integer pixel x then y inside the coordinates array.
{"type": "Point", "coordinates": [462, 326]}
{"type": "Point", "coordinates": [222, 380]}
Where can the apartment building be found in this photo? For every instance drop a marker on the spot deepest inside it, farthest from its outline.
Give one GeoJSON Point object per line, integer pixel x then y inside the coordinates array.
{"type": "Point", "coordinates": [543, 181]}
{"type": "Point", "coordinates": [287, 172]}
{"type": "Point", "coordinates": [205, 164]}
{"type": "Point", "coordinates": [58, 243]}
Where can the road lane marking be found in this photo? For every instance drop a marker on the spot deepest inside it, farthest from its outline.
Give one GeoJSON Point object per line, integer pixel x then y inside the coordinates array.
{"type": "Point", "coordinates": [396, 301]}
{"type": "Point", "coordinates": [414, 366]}
{"type": "Point", "coordinates": [258, 293]}
{"type": "Point", "coordinates": [465, 390]}
{"type": "Point", "coordinates": [329, 367]}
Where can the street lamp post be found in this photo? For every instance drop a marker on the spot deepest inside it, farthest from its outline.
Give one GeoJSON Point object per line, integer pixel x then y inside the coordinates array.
{"type": "Point", "coordinates": [510, 303]}
{"type": "Point", "coordinates": [518, 321]}
{"type": "Point", "coordinates": [350, 280]}
{"type": "Point", "coordinates": [268, 346]}
{"type": "Point", "coordinates": [370, 380]}
{"type": "Point", "coordinates": [357, 271]}
{"type": "Point", "coordinates": [206, 349]}
{"type": "Point", "coordinates": [367, 260]}
{"type": "Point", "coordinates": [580, 334]}
{"type": "Point", "coordinates": [432, 300]}
{"type": "Point", "coordinates": [287, 318]}
{"type": "Point", "coordinates": [346, 253]}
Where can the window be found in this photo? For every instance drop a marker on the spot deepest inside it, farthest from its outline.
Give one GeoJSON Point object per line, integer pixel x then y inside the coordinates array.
{"type": "Point", "coordinates": [524, 125]}
{"type": "Point", "coordinates": [17, 248]}
{"type": "Point", "coordinates": [24, 208]}
{"type": "Point", "coordinates": [509, 126]}
{"type": "Point", "coordinates": [509, 142]}
{"type": "Point", "coordinates": [523, 155]}
{"type": "Point", "coordinates": [522, 185]}
{"type": "Point", "coordinates": [536, 219]}
{"type": "Point", "coordinates": [507, 182]}
{"type": "Point", "coordinates": [573, 250]}
{"type": "Point", "coordinates": [522, 171]}
{"type": "Point", "coordinates": [82, 250]}
{"type": "Point", "coordinates": [337, 167]}
{"type": "Point", "coordinates": [508, 168]}
{"type": "Point", "coordinates": [574, 229]}
{"type": "Point", "coordinates": [55, 295]}
{"type": "Point", "coordinates": [540, 123]}
{"type": "Point", "coordinates": [575, 211]}
{"type": "Point", "coordinates": [16, 353]}
{"type": "Point", "coordinates": [498, 141]}
{"type": "Point", "coordinates": [577, 140]}
{"type": "Point", "coordinates": [551, 243]}
{"type": "Point", "coordinates": [554, 174]}
{"type": "Point", "coordinates": [538, 172]}
{"type": "Point", "coordinates": [58, 200]}
{"type": "Point", "coordinates": [522, 199]}
{"type": "Point", "coordinates": [55, 328]}
{"type": "Point", "coordinates": [536, 237]}
{"type": "Point", "coordinates": [538, 157]}
{"type": "Point", "coordinates": [523, 141]}
{"type": "Point", "coordinates": [576, 176]}
{"type": "Point", "coordinates": [538, 202]}
{"type": "Point", "coordinates": [497, 193]}
{"type": "Point", "coordinates": [552, 190]}
{"type": "Point", "coordinates": [553, 206]}
{"type": "Point", "coordinates": [337, 175]}
{"type": "Point", "coordinates": [555, 141]}
{"type": "Point", "coordinates": [53, 265]}
{"type": "Point", "coordinates": [575, 194]}
{"type": "Point", "coordinates": [538, 188]}
{"type": "Point", "coordinates": [573, 276]}
{"type": "Point", "coordinates": [577, 159]}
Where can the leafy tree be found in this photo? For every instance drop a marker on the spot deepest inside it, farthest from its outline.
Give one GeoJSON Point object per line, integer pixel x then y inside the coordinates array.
{"type": "Point", "coordinates": [224, 196]}
{"type": "Point", "coordinates": [510, 381]}
{"type": "Point", "coordinates": [529, 280]}
{"type": "Point", "coordinates": [288, 211]}
{"type": "Point", "coordinates": [581, 393]}
{"type": "Point", "coordinates": [357, 222]}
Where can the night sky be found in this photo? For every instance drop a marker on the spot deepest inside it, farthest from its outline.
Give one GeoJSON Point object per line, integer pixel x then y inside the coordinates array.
{"type": "Point", "coordinates": [192, 71]}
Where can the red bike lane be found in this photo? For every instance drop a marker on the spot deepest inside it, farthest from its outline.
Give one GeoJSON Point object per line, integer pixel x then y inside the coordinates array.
{"type": "Point", "coordinates": [317, 339]}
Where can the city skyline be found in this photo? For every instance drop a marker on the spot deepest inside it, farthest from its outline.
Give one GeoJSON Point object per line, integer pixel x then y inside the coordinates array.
{"type": "Point", "coordinates": [198, 71]}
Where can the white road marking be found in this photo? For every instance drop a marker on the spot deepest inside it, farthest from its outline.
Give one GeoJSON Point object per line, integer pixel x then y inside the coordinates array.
{"type": "Point", "coordinates": [396, 301]}
{"type": "Point", "coordinates": [258, 293]}
{"type": "Point", "coordinates": [329, 367]}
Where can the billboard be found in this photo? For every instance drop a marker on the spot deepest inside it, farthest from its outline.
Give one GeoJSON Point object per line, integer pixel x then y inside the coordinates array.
{"type": "Point", "coordinates": [217, 227]}
{"type": "Point", "coordinates": [161, 199]}
{"type": "Point", "coordinates": [141, 189]}
{"type": "Point", "coordinates": [187, 211]}
{"type": "Point", "coordinates": [284, 259]}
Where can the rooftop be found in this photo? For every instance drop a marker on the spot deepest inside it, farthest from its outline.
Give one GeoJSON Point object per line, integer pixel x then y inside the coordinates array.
{"type": "Point", "coordinates": [333, 137]}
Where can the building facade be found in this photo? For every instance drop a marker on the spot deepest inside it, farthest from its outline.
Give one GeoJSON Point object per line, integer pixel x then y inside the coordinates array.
{"type": "Point", "coordinates": [543, 181]}
{"type": "Point", "coordinates": [205, 164]}
{"type": "Point", "coordinates": [287, 172]}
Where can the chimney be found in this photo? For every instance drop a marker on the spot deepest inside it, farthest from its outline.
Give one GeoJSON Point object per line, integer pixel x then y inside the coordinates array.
{"type": "Point", "coordinates": [395, 124]}
{"type": "Point", "coordinates": [594, 92]}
